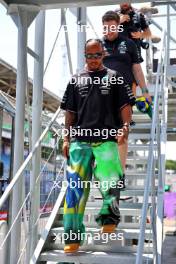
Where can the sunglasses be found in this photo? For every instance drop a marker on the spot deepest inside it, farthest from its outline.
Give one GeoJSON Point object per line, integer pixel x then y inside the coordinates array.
{"type": "Point", "coordinates": [96, 55]}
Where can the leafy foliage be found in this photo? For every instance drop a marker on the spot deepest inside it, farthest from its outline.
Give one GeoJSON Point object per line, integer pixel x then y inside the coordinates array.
{"type": "Point", "coordinates": [171, 165]}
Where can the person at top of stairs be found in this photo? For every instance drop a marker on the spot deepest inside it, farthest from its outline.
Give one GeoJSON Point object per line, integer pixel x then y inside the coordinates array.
{"type": "Point", "coordinates": [121, 55]}
{"type": "Point", "coordinates": [98, 106]}
{"type": "Point", "coordinates": [135, 26]}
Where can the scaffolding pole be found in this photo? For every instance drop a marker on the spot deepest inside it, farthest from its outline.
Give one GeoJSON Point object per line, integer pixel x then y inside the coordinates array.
{"type": "Point", "coordinates": [63, 22]}
{"type": "Point", "coordinates": [81, 21]}
{"type": "Point", "coordinates": [19, 131]}
{"type": "Point", "coordinates": [168, 35]}
{"type": "Point", "coordinates": [37, 128]}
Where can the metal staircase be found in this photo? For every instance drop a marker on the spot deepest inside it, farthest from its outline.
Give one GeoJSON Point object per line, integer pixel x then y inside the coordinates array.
{"type": "Point", "coordinates": [125, 246]}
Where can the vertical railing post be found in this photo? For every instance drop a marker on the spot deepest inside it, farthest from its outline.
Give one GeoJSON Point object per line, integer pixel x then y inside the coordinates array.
{"type": "Point", "coordinates": [37, 129]}
{"type": "Point", "coordinates": [19, 131]}
{"type": "Point", "coordinates": [160, 198]}
{"type": "Point", "coordinates": [81, 20]}
{"type": "Point", "coordinates": [168, 35]}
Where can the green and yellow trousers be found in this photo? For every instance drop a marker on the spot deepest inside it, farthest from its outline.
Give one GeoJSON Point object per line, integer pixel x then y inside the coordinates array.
{"type": "Point", "coordinates": [86, 159]}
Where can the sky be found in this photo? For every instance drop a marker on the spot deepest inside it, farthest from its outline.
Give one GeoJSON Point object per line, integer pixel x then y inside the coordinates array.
{"type": "Point", "coordinates": [57, 76]}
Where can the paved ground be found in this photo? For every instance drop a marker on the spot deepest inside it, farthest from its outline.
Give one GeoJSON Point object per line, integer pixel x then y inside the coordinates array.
{"type": "Point", "coordinates": [169, 245]}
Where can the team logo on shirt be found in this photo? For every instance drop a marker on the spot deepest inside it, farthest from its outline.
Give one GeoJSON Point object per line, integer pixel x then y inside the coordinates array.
{"type": "Point", "coordinates": [104, 89]}
{"type": "Point", "coordinates": [122, 48]}
{"type": "Point", "coordinates": [105, 85]}
{"type": "Point", "coordinates": [83, 90]}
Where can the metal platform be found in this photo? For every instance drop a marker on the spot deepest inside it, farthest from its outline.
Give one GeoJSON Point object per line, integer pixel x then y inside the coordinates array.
{"type": "Point", "coordinates": [51, 4]}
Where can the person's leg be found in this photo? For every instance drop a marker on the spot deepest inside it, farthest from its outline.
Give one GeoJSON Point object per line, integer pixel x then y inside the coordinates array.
{"type": "Point", "coordinates": [79, 169]}
{"type": "Point", "coordinates": [108, 171]}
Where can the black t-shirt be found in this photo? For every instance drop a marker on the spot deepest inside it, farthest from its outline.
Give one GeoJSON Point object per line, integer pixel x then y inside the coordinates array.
{"type": "Point", "coordinates": [96, 103]}
{"type": "Point", "coordinates": [120, 55]}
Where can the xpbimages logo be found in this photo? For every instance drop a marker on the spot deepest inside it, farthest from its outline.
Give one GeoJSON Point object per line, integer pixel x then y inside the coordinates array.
{"type": "Point", "coordinates": [88, 132]}
{"type": "Point", "coordinates": [88, 236]}
{"type": "Point", "coordinates": [104, 185]}
{"type": "Point", "coordinates": [88, 28]}
{"type": "Point", "coordinates": [86, 80]}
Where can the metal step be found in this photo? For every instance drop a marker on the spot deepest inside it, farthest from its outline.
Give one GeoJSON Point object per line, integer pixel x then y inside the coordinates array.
{"type": "Point", "coordinates": [141, 126]}
{"type": "Point", "coordinates": [171, 110]}
{"type": "Point", "coordinates": [139, 147]}
{"type": "Point", "coordinates": [171, 96]}
{"type": "Point", "coordinates": [171, 101]}
{"type": "Point", "coordinates": [122, 204]}
{"type": "Point", "coordinates": [141, 118]}
{"type": "Point", "coordinates": [137, 174]}
{"type": "Point", "coordinates": [130, 192]}
{"type": "Point", "coordinates": [139, 136]}
{"type": "Point", "coordinates": [105, 247]}
{"type": "Point", "coordinates": [91, 257]}
{"type": "Point", "coordinates": [123, 211]}
{"type": "Point", "coordinates": [139, 161]}
{"type": "Point", "coordinates": [92, 223]}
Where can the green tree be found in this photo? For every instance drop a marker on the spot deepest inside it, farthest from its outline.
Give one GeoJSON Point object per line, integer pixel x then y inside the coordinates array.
{"type": "Point", "coordinates": [170, 165]}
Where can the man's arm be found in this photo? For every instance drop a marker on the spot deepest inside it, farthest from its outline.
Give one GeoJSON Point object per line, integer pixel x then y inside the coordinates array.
{"type": "Point", "coordinates": [146, 33]}
{"type": "Point", "coordinates": [126, 115]}
{"type": "Point", "coordinates": [139, 77]}
{"type": "Point", "coordinates": [70, 118]}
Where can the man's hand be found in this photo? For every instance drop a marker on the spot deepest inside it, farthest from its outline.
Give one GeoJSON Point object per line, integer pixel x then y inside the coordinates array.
{"type": "Point", "coordinates": [147, 95]}
{"type": "Point", "coordinates": [124, 18]}
{"type": "Point", "coordinates": [136, 35]}
{"type": "Point", "coordinates": [122, 139]}
{"type": "Point", "coordinates": [65, 149]}
{"type": "Point", "coordinates": [69, 122]}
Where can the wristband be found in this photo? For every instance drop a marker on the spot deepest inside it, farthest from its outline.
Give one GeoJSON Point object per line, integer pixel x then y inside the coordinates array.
{"type": "Point", "coordinates": [127, 126]}
{"type": "Point", "coordinates": [144, 90]}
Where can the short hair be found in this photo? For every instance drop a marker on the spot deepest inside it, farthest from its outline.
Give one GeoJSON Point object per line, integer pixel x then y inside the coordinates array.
{"type": "Point", "coordinates": [94, 40]}
{"type": "Point", "coordinates": [111, 15]}
{"type": "Point", "coordinates": [122, 4]}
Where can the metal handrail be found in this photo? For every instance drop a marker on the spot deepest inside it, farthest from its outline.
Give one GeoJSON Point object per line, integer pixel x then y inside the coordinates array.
{"type": "Point", "coordinates": [163, 140]}
{"type": "Point", "coordinates": [37, 221]}
{"type": "Point", "coordinates": [48, 226]}
{"type": "Point", "coordinates": [26, 162]}
{"type": "Point", "coordinates": [150, 158]}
